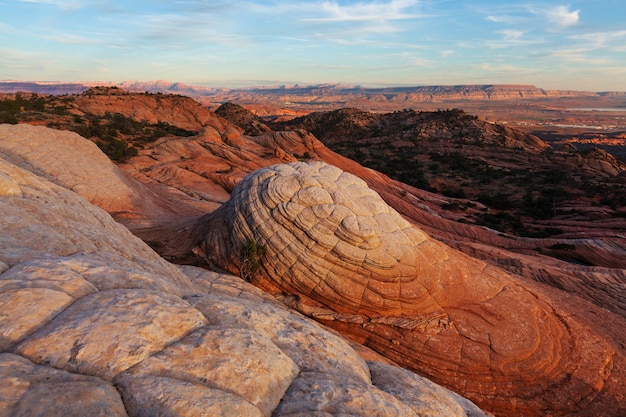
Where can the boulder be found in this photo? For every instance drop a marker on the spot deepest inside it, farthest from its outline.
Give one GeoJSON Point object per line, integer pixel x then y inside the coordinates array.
{"type": "Point", "coordinates": [330, 247]}
{"type": "Point", "coordinates": [94, 322]}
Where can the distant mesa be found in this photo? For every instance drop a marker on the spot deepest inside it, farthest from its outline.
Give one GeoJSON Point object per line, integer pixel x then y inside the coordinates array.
{"type": "Point", "coordinates": [417, 93]}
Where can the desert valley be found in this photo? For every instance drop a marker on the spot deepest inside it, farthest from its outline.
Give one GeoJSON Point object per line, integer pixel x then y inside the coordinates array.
{"type": "Point", "coordinates": [172, 250]}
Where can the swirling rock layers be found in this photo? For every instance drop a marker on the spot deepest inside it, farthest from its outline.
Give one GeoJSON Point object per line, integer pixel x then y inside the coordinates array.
{"type": "Point", "coordinates": [94, 323]}
{"type": "Point", "coordinates": [337, 252]}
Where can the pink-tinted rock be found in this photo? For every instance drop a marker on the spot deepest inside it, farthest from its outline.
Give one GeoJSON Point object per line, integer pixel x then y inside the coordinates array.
{"type": "Point", "coordinates": [349, 260]}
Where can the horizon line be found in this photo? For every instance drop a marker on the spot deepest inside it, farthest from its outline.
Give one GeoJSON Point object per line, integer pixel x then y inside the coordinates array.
{"type": "Point", "coordinates": [268, 84]}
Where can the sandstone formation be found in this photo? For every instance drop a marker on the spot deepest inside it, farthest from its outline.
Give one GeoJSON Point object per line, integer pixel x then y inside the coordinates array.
{"type": "Point", "coordinates": [337, 252]}
{"type": "Point", "coordinates": [197, 174]}
{"type": "Point", "coordinates": [180, 111]}
{"type": "Point", "coordinates": [72, 162]}
{"type": "Point", "coordinates": [94, 322]}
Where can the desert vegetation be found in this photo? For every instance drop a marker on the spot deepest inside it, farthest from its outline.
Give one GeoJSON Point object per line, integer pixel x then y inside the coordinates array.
{"type": "Point", "coordinates": [119, 136]}
{"type": "Point", "coordinates": [522, 182]}
{"type": "Point", "coordinates": [252, 254]}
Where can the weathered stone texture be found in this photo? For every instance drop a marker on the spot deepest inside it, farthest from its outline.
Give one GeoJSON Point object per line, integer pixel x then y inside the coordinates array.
{"type": "Point", "coordinates": [28, 389]}
{"type": "Point", "coordinates": [93, 322]}
{"type": "Point", "coordinates": [337, 252]}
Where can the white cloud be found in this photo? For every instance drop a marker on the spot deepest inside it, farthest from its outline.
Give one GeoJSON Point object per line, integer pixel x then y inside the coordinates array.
{"type": "Point", "coordinates": [562, 16]}
{"type": "Point", "coordinates": [73, 39]}
{"type": "Point", "coordinates": [506, 19]}
{"type": "Point", "coordinates": [506, 68]}
{"type": "Point", "coordinates": [578, 55]}
{"type": "Point", "coordinates": [63, 4]}
{"type": "Point", "coordinates": [188, 31]}
{"type": "Point", "coordinates": [511, 35]}
{"type": "Point", "coordinates": [357, 23]}
{"type": "Point", "coordinates": [366, 12]}
{"type": "Point", "coordinates": [10, 54]}
{"type": "Point", "coordinates": [601, 39]}
{"type": "Point", "coordinates": [512, 38]}
{"type": "Point", "coordinates": [517, 14]}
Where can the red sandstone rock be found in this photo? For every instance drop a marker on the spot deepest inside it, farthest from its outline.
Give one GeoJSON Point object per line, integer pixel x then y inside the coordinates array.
{"type": "Point", "coordinates": [341, 255]}
{"type": "Point", "coordinates": [203, 179]}
{"type": "Point", "coordinates": [93, 322]}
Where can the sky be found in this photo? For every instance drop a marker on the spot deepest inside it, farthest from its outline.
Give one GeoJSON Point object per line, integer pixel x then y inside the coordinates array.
{"type": "Point", "coordinates": [575, 45]}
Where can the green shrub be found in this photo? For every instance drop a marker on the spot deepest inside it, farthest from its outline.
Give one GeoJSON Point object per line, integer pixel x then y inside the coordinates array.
{"type": "Point", "coordinates": [116, 149]}
{"type": "Point", "coordinates": [7, 117]}
{"type": "Point", "coordinates": [251, 259]}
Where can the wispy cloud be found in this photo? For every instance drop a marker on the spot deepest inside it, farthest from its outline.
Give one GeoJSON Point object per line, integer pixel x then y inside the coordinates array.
{"type": "Point", "coordinates": [506, 19]}
{"type": "Point", "coordinates": [515, 14]}
{"type": "Point", "coordinates": [503, 68]}
{"type": "Point", "coordinates": [513, 38]}
{"type": "Point", "coordinates": [603, 39]}
{"type": "Point", "coordinates": [188, 31]}
{"type": "Point", "coordinates": [349, 24]}
{"type": "Point", "coordinates": [74, 39]}
{"type": "Point", "coordinates": [63, 4]}
{"type": "Point", "coordinates": [10, 54]}
{"type": "Point", "coordinates": [562, 16]}
{"type": "Point", "coordinates": [365, 12]}
{"type": "Point", "coordinates": [577, 55]}
{"type": "Point", "coordinates": [511, 35]}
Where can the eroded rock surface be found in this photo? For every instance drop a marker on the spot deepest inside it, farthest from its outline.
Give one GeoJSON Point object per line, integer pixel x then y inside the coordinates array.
{"type": "Point", "coordinates": [337, 252]}
{"type": "Point", "coordinates": [71, 161]}
{"type": "Point", "coordinates": [93, 322]}
{"type": "Point", "coordinates": [200, 172]}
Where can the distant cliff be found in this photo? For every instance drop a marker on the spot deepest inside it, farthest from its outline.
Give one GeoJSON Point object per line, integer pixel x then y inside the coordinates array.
{"type": "Point", "coordinates": [418, 93]}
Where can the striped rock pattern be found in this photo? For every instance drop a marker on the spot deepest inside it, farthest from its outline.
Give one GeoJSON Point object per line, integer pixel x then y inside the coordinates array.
{"type": "Point", "coordinates": [335, 251]}
{"type": "Point", "coordinates": [93, 322]}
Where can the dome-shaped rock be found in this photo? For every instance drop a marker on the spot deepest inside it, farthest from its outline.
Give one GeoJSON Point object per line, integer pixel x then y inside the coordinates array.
{"type": "Point", "coordinates": [93, 322]}
{"type": "Point", "coordinates": [332, 248]}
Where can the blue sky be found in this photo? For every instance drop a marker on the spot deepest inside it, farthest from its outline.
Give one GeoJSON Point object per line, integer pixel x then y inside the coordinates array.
{"type": "Point", "coordinates": [578, 45]}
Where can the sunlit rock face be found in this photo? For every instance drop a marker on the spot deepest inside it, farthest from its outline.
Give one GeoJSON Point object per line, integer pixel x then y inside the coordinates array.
{"type": "Point", "coordinates": [329, 236]}
{"type": "Point", "coordinates": [95, 323]}
{"type": "Point", "coordinates": [334, 250]}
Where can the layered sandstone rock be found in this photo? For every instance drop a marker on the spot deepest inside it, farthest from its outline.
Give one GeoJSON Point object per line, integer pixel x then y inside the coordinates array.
{"type": "Point", "coordinates": [71, 161]}
{"type": "Point", "coordinates": [93, 322]}
{"type": "Point", "coordinates": [201, 172]}
{"type": "Point", "coordinates": [180, 111]}
{"type": "Point", "coordinates": [336, 251]}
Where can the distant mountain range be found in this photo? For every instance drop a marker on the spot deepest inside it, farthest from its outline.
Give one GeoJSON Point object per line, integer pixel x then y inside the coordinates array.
{"type": "Point", "coordinates": [416, 93]}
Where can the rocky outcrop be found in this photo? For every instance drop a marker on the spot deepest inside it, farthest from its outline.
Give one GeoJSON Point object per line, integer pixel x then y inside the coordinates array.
{"type": "Point", "coordinates": [94, 322]}
{"type": "Point", "coordinates": [176, 110]}
{"type": "Point", "coordinates": [72, 162]}
{"type": "Point", "coordinates": [252, 124]}
{"type": "Point", "coordinates": [201, 171]}
{"type": "Point", "coordinates": [333, 249]}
